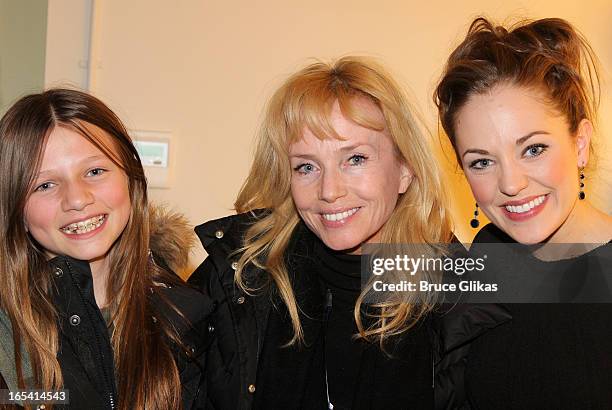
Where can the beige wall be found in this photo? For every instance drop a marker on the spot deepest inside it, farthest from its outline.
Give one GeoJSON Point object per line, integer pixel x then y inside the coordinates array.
{"type": "Point", "coordinates": [68, 36]}
{"type": "Point", "coordinates": [22, 49]}
{"type": "Point", "coordinates": [203, 70]}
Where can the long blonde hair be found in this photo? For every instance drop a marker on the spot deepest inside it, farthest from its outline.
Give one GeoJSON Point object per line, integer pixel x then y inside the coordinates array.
{"type": "Point", "coordinates": [305, 100]}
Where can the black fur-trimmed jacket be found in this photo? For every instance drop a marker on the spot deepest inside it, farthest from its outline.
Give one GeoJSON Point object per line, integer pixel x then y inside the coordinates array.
{"type": "Point", "coordinates": [85, 354]}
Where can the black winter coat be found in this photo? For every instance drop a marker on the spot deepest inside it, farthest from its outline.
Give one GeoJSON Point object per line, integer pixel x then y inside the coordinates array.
{"type": "Point", "coordinates": [455, 328]}
{"type": "Point", "coordinates": [85, 353]}
{"type": "Point", "coordinates": [454, 331]}
{"type": "Point", "coordinates": [240, 321]}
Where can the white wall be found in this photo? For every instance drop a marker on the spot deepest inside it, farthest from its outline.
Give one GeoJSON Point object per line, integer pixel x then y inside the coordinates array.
{"type": "Point", "coordinates": [203, 70]}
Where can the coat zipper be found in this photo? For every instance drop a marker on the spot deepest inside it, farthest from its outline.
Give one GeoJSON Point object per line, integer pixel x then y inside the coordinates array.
{"type": "Point", "coordinates": [109, 387]}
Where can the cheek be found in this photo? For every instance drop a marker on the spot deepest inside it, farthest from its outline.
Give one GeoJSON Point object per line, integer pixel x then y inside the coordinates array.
{"type": "Point", "coordinates": [116, 195]}
{"type": "Point", "coordinates": [483, 188]}
{"type": "Point", "coordinates": [303, 195]}
{"type": "Point", "coordinates": [39, 215]}
{"type": "Point", "coordinates": [556, 172]}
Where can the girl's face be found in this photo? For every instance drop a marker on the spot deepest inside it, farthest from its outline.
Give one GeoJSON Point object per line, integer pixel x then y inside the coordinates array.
{"type": "Point", "coordinates": [521, 161]}
{"type": "Point", "coordinates": [79, 204]}
{"type": "Point", "coordinates": [346, 190]}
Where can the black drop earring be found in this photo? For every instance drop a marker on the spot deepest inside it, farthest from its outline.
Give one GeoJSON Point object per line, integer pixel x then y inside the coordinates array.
{"type": "Point", "coordinates": [581, 194]}
{"type": "Point", "coordinates": [474, 223]}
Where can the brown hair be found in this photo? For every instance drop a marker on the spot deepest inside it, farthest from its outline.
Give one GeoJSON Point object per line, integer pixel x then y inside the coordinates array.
{"type": "Point", "coordinates": [305, 100]}
{"type": "Point", "coordinates": [147, 376]}
{"type": "Point", "coordinates": [548, 55]}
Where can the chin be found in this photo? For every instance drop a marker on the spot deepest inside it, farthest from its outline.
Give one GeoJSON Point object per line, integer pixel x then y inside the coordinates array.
{"type": "Point", "coordinates": [87, 255]}
{"type": "Point", "coordinates": [530, 238]}
{"type": "Point", "coordinates": [341, 244]}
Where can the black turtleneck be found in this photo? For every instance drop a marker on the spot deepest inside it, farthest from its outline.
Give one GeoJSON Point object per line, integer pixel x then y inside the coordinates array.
{"type": "Point", "coordinates": [340, 274]}
{"type": "Point", "coordinates": [359, 375]}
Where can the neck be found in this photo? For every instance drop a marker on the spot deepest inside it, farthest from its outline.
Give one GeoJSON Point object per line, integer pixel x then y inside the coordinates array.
{"type": "Point", "coordinates": [584, 224]}
{"type": "Point", "coordinates": [100, 270]}
{"type": "Point", "coordinates": [585, 228]}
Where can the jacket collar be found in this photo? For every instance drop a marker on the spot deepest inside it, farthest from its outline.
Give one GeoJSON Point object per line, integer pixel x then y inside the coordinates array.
{"type": "Point", "coordinates": [65, 269]}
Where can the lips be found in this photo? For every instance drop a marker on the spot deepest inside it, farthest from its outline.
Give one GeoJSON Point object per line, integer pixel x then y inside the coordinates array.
{"type": "Point", "coordinates": [339, 217]}
{"type": "Point", "coordinates": [84, 226]}
{"type": "Point", "coordinates": [524, 209]}
{"type": "Point", "coordinates": [526, 206]}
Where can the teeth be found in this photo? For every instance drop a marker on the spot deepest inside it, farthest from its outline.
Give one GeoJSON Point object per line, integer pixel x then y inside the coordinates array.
{"type": "Point", "coordinates": [82, 227]}
{"type": "Point", "coordinates": [339, 216]}
{"type": "Point", "coordinates": [519, 209]}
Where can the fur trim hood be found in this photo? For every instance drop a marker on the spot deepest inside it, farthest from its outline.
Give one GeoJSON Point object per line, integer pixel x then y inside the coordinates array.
{"type": "Point", "coordinates": [171, 237]}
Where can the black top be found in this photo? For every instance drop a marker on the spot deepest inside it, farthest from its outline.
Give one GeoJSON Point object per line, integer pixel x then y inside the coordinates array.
{"type": "Point", "coordinates": [357, 374]}
{"type": "Point", "coordinates": [549, 356]}
{"type": "Point", "coordinates": [340, 273]}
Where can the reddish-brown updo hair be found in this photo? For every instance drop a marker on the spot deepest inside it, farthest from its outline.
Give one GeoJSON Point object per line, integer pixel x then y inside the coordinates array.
{"type": "Point", "coordinates": [546, 55]}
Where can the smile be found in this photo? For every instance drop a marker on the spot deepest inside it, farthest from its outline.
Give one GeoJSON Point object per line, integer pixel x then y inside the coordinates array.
{"type": "Point", "coordinates": [86, 226]}
{"type": "Point", "coordinates": [340, 215]}
{"type": "Point", "coordinates": [526, 207]}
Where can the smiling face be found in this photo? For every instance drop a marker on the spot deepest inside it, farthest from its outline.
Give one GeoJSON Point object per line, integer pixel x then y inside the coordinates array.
{"type": "Point", "coordinates": [80, 203]}
{"type": "Point", "coordinates": [521, 161]}
{"type": "Point", "coordinates": [345, 190]}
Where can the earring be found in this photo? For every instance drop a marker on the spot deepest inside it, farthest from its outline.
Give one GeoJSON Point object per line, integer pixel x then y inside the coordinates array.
{"type": "Point", "coordinates": [474, 223]}
{"type": "Point", "coordinates": [581, 194]}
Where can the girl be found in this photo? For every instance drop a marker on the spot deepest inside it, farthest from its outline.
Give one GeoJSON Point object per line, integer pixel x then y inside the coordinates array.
{"type": "Point", "coordinates": [89, 303]}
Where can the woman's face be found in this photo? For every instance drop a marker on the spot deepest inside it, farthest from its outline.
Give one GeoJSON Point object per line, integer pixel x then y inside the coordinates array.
{"type": "Point", "coordinates": [521, 161]}
{"type": "Point", "coordinates": [80, 202]}
{"type": "Point", "coordinates": [345, 190]}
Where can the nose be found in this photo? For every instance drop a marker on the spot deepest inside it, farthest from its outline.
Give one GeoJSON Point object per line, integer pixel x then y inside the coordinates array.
{"type": "Point", "coordinates": [332, 186]}
{"type": "Point", "coordinates": [77, 196]}
{"type": "Point", "coordinates": [512, 179]}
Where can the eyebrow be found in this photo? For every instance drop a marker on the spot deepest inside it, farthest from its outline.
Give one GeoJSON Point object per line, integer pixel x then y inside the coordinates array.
{"type": "Point", "coordinates": [93, 157]}
{"type": "Point", "coordinates": [518, 142]}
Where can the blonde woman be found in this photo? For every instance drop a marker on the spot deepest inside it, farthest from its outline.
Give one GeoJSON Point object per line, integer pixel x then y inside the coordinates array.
{"type": "Point", "coordinates": [340, 162]}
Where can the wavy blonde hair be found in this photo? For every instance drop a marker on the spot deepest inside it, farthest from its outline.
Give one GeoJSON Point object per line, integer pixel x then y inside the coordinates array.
{"type": "Point", "coordinates": [304, 101]}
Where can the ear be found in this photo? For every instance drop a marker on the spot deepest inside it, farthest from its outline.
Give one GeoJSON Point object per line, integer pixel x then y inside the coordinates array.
{"type": "Point", "coordinates": [583, 142]}
{"type": "Point", "coordinates": [406, 176]}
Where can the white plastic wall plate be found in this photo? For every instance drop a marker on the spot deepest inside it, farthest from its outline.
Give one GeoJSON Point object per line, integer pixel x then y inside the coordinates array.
{"type": "Point", "coordinates": [155, 151]}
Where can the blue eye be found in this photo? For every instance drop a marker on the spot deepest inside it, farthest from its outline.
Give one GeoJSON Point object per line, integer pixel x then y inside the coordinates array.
{"type": "Point", "coordinates": [45, 186]}
{"type": "Point", "coordinates": [357, 159]}
{"type": "Point", "coordinates": [96, 171]}
{"type": "Point", "coordinates": [304, 168]}
{"type": "Point", "coordinates": [480, 163]}
{"type": "Point", "coordinates": [535, 150]}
